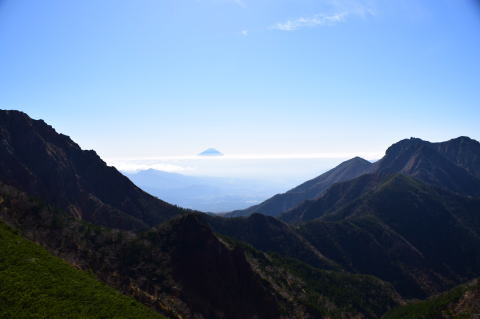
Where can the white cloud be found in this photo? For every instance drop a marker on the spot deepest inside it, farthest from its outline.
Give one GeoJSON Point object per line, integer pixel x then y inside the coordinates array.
{"type": "Point", "coordinates": [337, 12]}
{"type": "Point", "coordinates": [166, 160]}
{"type": "Point", "coordinates": [317, 20]}
{"type": "Point", "coordinates": [135, 166]}
{"type": "Point", "coordinates": [244, 33]}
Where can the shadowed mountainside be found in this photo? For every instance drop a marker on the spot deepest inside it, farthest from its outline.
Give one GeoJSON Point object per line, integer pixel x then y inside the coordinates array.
{"type": "Point", "coordinates": [437, 164]}
{"type": "Point", "coordinates": [41, 162]}
{"type": "Point", "coordinates": [396, 228]}
{"type": "Point", "coordinates": [402, 221]}
{"type": "Point", "coordinates": [183, 270]}
{"type": "Point", "coordinates": [405, 232]}
{"type": "Point", "coordinates": [460, 302]}
{"type": "Point", "coordinates": [271, 235]}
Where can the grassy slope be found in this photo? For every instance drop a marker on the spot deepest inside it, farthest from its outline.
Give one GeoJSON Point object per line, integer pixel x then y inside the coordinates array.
{"type": "Point", "coordinates": [35, 284]}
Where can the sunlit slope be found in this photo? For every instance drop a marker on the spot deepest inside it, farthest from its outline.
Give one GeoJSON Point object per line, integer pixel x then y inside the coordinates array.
{"type": "Point", "coordinates": [35, 284]}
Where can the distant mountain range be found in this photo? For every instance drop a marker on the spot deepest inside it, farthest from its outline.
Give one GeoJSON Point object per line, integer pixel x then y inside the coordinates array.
{"type": "Point", "coordinates": [356, 242]}
{"type": "Point", "coordinates": [211, 152]}
{"type": "Point", "coordinates": [424, 161]}
{"type": "Point", "coordinates": [207, 194]}
{"type": "Point", "coordinates": [308, 190]}
{"type": "Point", "coordinates": [453, 165]}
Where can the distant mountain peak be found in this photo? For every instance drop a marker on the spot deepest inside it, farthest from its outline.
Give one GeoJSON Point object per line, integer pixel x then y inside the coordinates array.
{"type": "Point", "coordinates": [211, 152]}
{"type": "Point", "coordinates": [356, 159]}
{"type": "Point", "coordinates": [405, 144]}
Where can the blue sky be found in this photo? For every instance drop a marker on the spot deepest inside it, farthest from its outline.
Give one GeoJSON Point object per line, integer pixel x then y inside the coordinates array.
{"type": "Point", "coordinates": [146, 78]}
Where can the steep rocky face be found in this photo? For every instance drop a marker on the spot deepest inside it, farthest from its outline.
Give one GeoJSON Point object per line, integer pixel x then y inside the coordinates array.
{"type": "Point", "coordinates": [463, 151]}
{"type": "Point", "coordinates": [215, 278]}
{"type": "Point", "coordinates": [435, 164]}
{"type": "Point", "coordinates": [38, 160]}
{"type": "Point", "coordinates": [309, 190]}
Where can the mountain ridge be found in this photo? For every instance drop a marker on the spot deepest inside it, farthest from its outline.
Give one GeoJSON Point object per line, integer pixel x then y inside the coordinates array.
{"type": "Point", "coordinates": [439, 164]}
{"type": "Point", "coordinates": [38, 160]}
{"type": "Point", "coordinates": [308, 190]}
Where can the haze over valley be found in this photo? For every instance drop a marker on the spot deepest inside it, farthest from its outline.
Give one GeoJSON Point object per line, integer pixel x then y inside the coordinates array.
{"type": "Point", "coordinates": [223, 184]}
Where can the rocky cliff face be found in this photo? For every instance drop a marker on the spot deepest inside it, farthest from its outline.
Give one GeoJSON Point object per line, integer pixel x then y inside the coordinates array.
{"type": "Point", "coordinates": [437, 164]}
{"type": "Point", "coordinates": [41, 162]}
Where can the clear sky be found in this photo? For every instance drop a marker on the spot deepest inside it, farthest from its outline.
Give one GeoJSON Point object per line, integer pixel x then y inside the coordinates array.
{"type": "Point", "coordinates": [146, 78]}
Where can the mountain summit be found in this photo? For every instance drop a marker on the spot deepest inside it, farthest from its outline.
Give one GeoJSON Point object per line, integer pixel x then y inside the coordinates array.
{"type": "Point", "coordinates": [211, 152]}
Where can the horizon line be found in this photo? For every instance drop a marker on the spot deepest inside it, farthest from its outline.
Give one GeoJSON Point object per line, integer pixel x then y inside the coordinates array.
{"type": "Point", "coordinates": [330, 155]}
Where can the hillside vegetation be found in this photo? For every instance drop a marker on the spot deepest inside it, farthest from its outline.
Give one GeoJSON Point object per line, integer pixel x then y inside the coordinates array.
{"type": "Point", "coordinates": [463, 302]}
{"type": "Point", "coordinates": [35, 284]}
